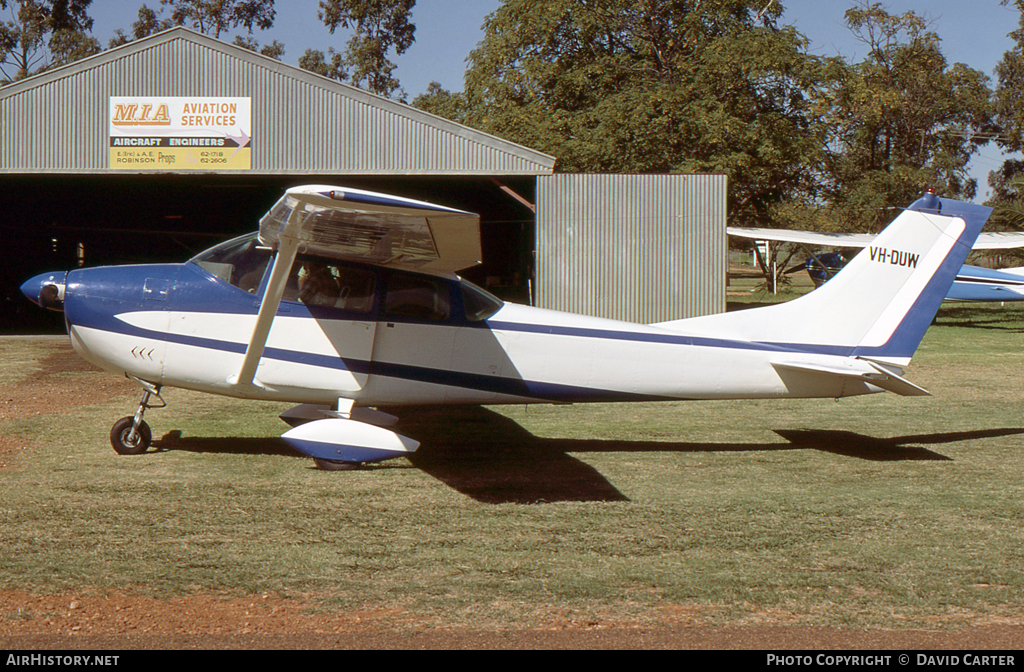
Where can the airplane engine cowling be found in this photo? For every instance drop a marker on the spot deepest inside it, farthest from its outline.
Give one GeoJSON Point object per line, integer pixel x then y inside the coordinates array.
{"type": "Point", "coordinates": [344, 440]}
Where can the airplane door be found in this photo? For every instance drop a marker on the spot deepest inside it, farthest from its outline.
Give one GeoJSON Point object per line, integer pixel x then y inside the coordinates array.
{"type": "Point", "coordinates": [412, 352]}
{"type": "Point", "coordinates": [323, 335]}
{"type": "Point", "coordinates": [324, 351]}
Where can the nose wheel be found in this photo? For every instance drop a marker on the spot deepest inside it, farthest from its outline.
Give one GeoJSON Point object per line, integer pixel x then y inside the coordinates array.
{"type": "Point", "coordinates": [131, 435]}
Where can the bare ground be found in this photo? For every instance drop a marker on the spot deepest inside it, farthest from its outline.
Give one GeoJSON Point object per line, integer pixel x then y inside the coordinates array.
{"type": "Point", "coordinates": [94, 621]}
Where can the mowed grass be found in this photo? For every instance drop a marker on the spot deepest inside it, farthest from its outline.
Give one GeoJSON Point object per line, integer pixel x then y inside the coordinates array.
{"type": "Point", "coordinates": [877, 511]}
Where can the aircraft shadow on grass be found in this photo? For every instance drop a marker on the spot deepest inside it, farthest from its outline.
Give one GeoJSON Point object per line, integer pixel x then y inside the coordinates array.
{"type": "Point", "coordinates": [492, 459]}
{"type": "Point", "coordinates": [970, 316]}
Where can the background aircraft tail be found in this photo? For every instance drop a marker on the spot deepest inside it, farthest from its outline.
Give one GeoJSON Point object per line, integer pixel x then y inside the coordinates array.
{"type": "Point", "coordinates": [880, 305]}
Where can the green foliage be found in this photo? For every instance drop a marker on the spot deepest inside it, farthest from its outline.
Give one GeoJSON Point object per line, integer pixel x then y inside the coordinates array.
{"type": "Point", "coordinates": [719, 87]}
{"type": "Point", "coordinates": [274, 50]}
{"type": "Point", "coordinates": [331, 64]}
{"type": "Point", "coordinates": [147, 24]}
{"type": "Point", "coordinates": [214, 17]}
{"type": "Point", "coordinates": [654, 87]}
{"type": "Point", "coordinates": [210, 17]}
{"type": "Point", "coordinates": [437, 100]}
{"type": "Point", "coordinates": [379, 26]}
{"type": "Point", "coordinates": [1009, 113]}
{"type": "Point", "coordinates": [43, 34]}
{"type": "Point", "coordinates": [902, 118]}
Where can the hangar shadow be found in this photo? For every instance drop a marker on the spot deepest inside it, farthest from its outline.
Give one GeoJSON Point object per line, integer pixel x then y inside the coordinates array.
{"type": "Point", "coordinates": [492, 459]}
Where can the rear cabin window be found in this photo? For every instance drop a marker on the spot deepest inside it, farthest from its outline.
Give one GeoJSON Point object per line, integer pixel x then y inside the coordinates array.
{"type": "Point", "coordinates": [478, 303]}
{"type": "Point", "coordinates": [417, 297]}
{"type": "Point", "coordinates": [317, 283]}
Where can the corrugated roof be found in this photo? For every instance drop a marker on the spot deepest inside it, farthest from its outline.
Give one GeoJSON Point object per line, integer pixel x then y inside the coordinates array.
{"type": "Point", "coordinates": [302, 123]}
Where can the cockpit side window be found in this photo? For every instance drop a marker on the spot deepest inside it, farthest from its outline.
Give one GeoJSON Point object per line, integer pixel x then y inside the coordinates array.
{"type": "Point", "coordinates": [321, 283]}
{"type": "Point", "coordinates": [240, 262]}
{"type": "Point", "coordinates": [417, 297]}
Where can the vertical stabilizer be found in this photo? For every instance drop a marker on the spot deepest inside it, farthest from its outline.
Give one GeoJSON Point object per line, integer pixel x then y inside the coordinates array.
{"type": "Point", "coordinates": [880, 305]}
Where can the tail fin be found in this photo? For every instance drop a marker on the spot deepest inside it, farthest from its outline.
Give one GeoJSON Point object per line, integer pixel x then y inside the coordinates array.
{"type": "Point", "coordinates": [880, 305]}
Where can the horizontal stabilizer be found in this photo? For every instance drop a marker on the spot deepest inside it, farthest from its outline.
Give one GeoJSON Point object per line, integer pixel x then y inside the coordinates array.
{"type": "Point", "coordinates": [342, 440]}
{"type": "Point", "coordinates": [876, 375]}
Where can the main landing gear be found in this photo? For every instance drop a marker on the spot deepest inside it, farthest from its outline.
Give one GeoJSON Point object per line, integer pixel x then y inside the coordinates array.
{"type": "Point", "coordinates": [131, 435]}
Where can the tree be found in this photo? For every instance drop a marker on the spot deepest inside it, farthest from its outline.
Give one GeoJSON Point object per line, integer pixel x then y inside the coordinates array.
{"type": "Point", "coordinates": [438, 100]}
{"type": "Point", "coordinates": [214, 17]}
{"type": "Point", "coordinates": [147, 24]}
{"type": "Point", "coordinates": [902, 119]}
{"type": "Point", "coordinates": [274, 50]}
{"type": "Point", "coordinates": [652, 86]}
{"type": "Point", "coordinates": [210, 17]}
{"type": "Point", "coordinates": [43, 34]}
{"type": "Point", "coordinates": [331, 65]}
{"type": "Point", "coordinates": [1008, 181]}
{"type": "Point", "coordinates": [379, 26]}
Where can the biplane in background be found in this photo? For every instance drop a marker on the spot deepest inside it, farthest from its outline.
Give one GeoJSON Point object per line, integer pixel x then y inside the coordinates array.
{"type": "Point", "coordinates": [347, 300]}
{"type": "Point", "coordinates": [973, 283]}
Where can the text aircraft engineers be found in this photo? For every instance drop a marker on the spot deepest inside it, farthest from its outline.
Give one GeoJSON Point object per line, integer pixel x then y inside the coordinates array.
{"type": "Point", "coordinates": [347, 300]}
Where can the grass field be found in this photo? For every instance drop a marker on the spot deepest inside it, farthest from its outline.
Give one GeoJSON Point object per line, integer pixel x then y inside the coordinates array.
{"type": "Point", "coordinates": [878, 511]}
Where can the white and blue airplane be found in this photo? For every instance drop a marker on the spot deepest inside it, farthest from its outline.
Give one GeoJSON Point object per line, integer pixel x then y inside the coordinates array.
{"type": "Point", "coordinates": [347, 300]}
{"type": "Point", "coordinates": [972, 283]}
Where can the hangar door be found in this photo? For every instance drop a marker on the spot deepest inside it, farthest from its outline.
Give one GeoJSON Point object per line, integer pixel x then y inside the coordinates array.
{"type": "Point", "coordinates": [641, 248]}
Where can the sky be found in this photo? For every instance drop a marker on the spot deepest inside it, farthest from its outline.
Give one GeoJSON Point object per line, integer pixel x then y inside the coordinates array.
{"type": "Point", "coordinates": [973, 32]}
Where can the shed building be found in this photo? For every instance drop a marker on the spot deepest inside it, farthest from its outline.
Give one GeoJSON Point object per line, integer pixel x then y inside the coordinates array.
{"type": "Point", "coordinates": [157, 149]}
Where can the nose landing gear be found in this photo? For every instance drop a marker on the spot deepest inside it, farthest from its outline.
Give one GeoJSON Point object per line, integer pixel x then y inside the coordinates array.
{"type": "Point", "coordinates": [131, 435]}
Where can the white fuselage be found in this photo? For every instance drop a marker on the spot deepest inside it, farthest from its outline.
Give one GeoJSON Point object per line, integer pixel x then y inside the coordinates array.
{"type": "Point", "coordinates": [523, 354]}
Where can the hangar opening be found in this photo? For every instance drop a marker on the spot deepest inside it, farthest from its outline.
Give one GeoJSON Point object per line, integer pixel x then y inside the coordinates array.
{"type": "Point", "coordinates": [55, 222]}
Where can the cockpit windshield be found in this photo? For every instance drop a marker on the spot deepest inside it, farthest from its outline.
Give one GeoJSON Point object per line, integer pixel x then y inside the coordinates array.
{"type": "Point", "coordinates": [241, 261]}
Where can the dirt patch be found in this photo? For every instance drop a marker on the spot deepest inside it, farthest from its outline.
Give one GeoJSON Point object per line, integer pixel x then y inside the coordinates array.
{"type": "Point", "coordinates": [125, 622]}
{"type": "Point", "coordinates": [60, 385]}
{"type": "Point", "coordinates": [119, 614]}
{"type": "Point", "coordinates": [63, 382]}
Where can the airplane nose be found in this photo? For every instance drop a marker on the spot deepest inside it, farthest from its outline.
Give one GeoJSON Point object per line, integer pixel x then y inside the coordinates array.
{"type": "Point", "coordinates": [46, 290]}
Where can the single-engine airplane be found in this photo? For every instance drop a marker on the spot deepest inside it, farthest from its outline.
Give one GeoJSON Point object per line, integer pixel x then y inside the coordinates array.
{"type": "Point", "coordinates": [346, 300]}
{"type": "Point", "coordinates": [973, 283]}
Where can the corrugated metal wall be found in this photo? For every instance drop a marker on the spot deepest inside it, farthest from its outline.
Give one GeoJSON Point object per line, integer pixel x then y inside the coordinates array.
{"type": "Point", "coordinates": [302, 123]}
{"type": "Point", "coordinates": [641, 248]}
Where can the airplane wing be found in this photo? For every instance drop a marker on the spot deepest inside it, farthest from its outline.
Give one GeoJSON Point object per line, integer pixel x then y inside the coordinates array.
{"type": "Point", "coordinates": [995, 240]}
{"type": "Point", "coordinates": [358, 225]}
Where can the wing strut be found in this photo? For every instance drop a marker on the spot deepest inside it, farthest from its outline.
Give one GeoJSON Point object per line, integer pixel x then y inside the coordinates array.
{"type": "Point", "coordinates": [288, 248]}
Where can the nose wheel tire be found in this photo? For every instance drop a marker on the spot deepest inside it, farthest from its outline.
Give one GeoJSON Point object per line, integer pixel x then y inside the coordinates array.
{"type": "Point", "coordinates": [125, 442]}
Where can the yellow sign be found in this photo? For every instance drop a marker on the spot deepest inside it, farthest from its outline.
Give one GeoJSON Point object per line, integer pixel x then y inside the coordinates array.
{"type": "Point", "coordinates": [180, 133]}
